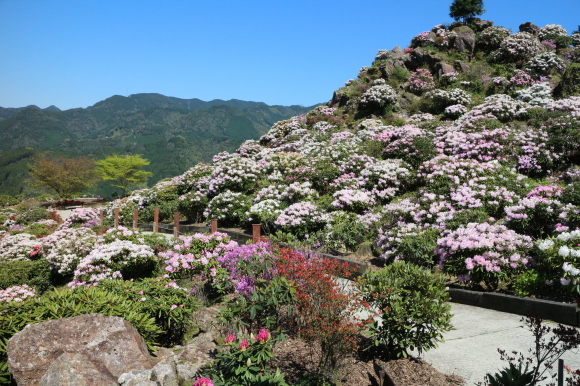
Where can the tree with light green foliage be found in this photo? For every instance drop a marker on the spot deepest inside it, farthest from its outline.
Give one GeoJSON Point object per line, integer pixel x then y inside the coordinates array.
{"type": "Point", "coordinates": [123, 170]}
{"type": "Point", "coordinates": [466, 9]}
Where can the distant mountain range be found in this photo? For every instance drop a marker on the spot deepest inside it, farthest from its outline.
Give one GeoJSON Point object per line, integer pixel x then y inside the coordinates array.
{"type": "Point", "coordinates": [173, 133]}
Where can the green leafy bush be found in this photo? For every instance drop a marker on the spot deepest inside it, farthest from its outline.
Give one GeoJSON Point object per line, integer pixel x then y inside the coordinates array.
{"type": "Point", "coordinates": [7, 200]}
{"type": "Point", "coordinates": [245, 362]}
{"type": "Point", "coordinates": [528, 282]}
{"type": "Point", "coordinates": [34, 273]}
{"type": "Point", "coordinates": [412, 305]}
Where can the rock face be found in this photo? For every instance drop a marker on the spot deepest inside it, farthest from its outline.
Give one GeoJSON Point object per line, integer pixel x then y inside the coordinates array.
{"type": "Point", "coordinates": [464, 39]}
{"type": "Point", "coordinates": [86, 349]}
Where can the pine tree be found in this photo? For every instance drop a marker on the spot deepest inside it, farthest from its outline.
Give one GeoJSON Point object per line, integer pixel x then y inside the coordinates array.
{"type": "Point", "coordinates": [465, 9]}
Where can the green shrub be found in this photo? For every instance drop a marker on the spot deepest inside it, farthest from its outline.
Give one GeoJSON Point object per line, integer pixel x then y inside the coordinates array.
{"type": "Point", "coordinates": [571, 194]}
{"type": "Point", "coordinates": [528, 283]}
{"type": "Point", "coordinates": [169, 305]}
{"type": "Point", "coordinates": [30, 211]}
{"type": "Point", "coordinates": [34, 273]}
{"type": "Point", "coordinates": [418, 249]}
{"type": "Point", "coordinates": [6, 200]}
{"type": "Point", "coordinates": [414, 311]}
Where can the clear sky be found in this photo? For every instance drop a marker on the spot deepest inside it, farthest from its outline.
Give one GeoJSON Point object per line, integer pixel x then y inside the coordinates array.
{"type": "Point", "coordinates": [74, 53]}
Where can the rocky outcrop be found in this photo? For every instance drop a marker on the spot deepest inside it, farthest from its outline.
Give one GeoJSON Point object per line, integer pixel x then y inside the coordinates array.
{"type": "Point", "coordinates": [420, 58]}
{"type": "Point", "coordinates": [82, 348]}
{"type": "Point", "coordinates": [464, 39]}
{"type": "Point", "coordinates": [479, 25]}
{"type": "Point", "coordinates": [530, 28]}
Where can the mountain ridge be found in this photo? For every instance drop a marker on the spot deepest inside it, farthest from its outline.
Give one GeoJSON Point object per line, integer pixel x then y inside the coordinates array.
{"type": "Point", "coordinates": [145, 124]}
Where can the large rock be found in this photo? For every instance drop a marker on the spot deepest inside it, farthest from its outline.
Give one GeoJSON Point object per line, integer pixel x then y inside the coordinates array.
{"type": "Point", "coordinates": [530, 28]}
{"type": "Point", "coordinates": [76, 369]}
{"type": "Point", "coordinates": [464, 39]}
{"type": "Point", "coordinates": [420, 58]}
{"type": "Point", "coordinates": [110, 344]}
{"type": "Point", "coordinates": [444, 68]}
{"type": "Point", "coordinates": [479, 25]}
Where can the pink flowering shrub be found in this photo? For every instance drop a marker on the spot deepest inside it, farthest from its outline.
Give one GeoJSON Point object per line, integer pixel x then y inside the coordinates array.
{"type": "Point", "coordinates": [17, 293]}
{"type": "Point", "coordinates": [120, 259]}
{"type": "Point", "coordinates": [483, 252]}
{"type": "Point", "coordinates": [246, 265]}
{"type": "Point", "coordinates": [353, 200]}
{"type": "Point", "coordinates": [197, 256]}
{"type": "Point", "coordinates": [410, 142]}
{"type": "Point", "coordinates": [84, 217]}
{"type": "Point", "coordinates": [535, 216]}
{"type": "Point", "coordinates": [423, 39]}
{"type": "Point", "coordinates": [518, 47]}
{"type": "Point", "coordinates": [228, 207]}
{"type": "Point", "coordinates": [302, 219]}
{"type": "Point", "coordinates": [421, 80]}
{"type": "Point", "coordinates": [18, 247]}
{"type": "Point", "coordinates": [443, 173]}
{"type": "Point", "coordinates": [66, 247]}
{"type": "Point", "coordinates": [490, 38]}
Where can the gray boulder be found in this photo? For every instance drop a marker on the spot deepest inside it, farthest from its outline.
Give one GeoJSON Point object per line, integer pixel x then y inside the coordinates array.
{"type": "Point", "coordinates": [76, 369]}
{"type": "Point", "coordinates": [464, 39]}
{"type": "Point", "coordinates": [107, 345]}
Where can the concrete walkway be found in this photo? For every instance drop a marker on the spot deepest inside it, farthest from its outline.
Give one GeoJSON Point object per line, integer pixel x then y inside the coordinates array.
{"type": "Point", "coordinates": [470, 350]}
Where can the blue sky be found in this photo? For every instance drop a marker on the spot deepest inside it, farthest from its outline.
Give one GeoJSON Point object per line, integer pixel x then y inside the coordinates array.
{"type": "Point", "coordinates": [74, 53]}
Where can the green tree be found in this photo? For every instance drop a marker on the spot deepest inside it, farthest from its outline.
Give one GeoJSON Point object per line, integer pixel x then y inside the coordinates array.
{"type": "Point", "coordinates": [465, 9]}
{"type": "Point", "coordinates": [123, 170]}
{"type": "Point", "coordinates": [66, 176]}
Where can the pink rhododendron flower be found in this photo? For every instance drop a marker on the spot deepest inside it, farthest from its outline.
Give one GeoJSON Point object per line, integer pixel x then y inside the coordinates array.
{"type": "Point", "coordinates": [244, 345]}
{"type": "Point", "coordinates": [229, 339]}
{"type": "Point", "coordinates": [203, 382]}
{"type": "Point", "coordinates": [263, 336]}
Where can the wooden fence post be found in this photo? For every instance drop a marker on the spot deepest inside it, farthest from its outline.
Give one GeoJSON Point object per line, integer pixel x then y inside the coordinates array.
{"type": "Point", "coordinates": [214, 226]}
{"type": "Point", "coordinates": [256, 232]}
{"type": "Point", "coordinates": [156, 220]}
{"type": "Point", "coordinates": [176, 224]}
{"type": "Point", "coordinates": [135, 218]}
{"type": "Point", "coordinates": [102, 217]}
{"type": "Point", "coordinates": [116, 211]}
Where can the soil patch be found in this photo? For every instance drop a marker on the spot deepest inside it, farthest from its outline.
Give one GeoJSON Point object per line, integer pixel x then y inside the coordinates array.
{"type": "Point", "coordinates": [297, 359]}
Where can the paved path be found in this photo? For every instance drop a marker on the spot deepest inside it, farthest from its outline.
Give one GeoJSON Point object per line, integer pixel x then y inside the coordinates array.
{"type": "Point", "coordinates": [470, 350]}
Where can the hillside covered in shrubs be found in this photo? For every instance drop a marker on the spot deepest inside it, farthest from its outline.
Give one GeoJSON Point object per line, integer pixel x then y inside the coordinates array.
{"type": "Point", "coordinates": [459, 151]}
{"type": "Point", "coordinates": [453, 160]}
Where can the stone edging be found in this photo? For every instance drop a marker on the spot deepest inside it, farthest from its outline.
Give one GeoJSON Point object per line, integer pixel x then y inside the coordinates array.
{"type": "Point", "coordinates": [545, 309]}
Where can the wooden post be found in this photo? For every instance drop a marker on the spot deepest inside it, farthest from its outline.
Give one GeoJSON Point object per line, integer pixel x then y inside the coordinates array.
{"type": "Point", "coordinates": [176, 224]}
{"type": "Point", "coordinates": [214, 226]}
{"type": "Point", "coordinates": [256, 232]}
{"type": "Point", "coordinates": [135, 218]}
{"type": "Point", "coordinates": [102, 217]}
{"type": "Point", "coordinates": [156, 220]}
{"type": "Point", "coordinates": [116, 217]}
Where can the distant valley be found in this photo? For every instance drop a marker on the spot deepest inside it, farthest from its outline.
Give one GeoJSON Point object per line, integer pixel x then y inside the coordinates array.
{"type": "Point", "coordinates": [173, 133]}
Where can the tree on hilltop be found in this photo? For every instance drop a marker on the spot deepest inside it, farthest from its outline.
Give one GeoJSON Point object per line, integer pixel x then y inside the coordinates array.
{"type": "Point", "coordinates": [466, 9]}
{"type": "Point", "coordinates": [123, 170]}
{"type": "Point", "coordinates": [66, 176]}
